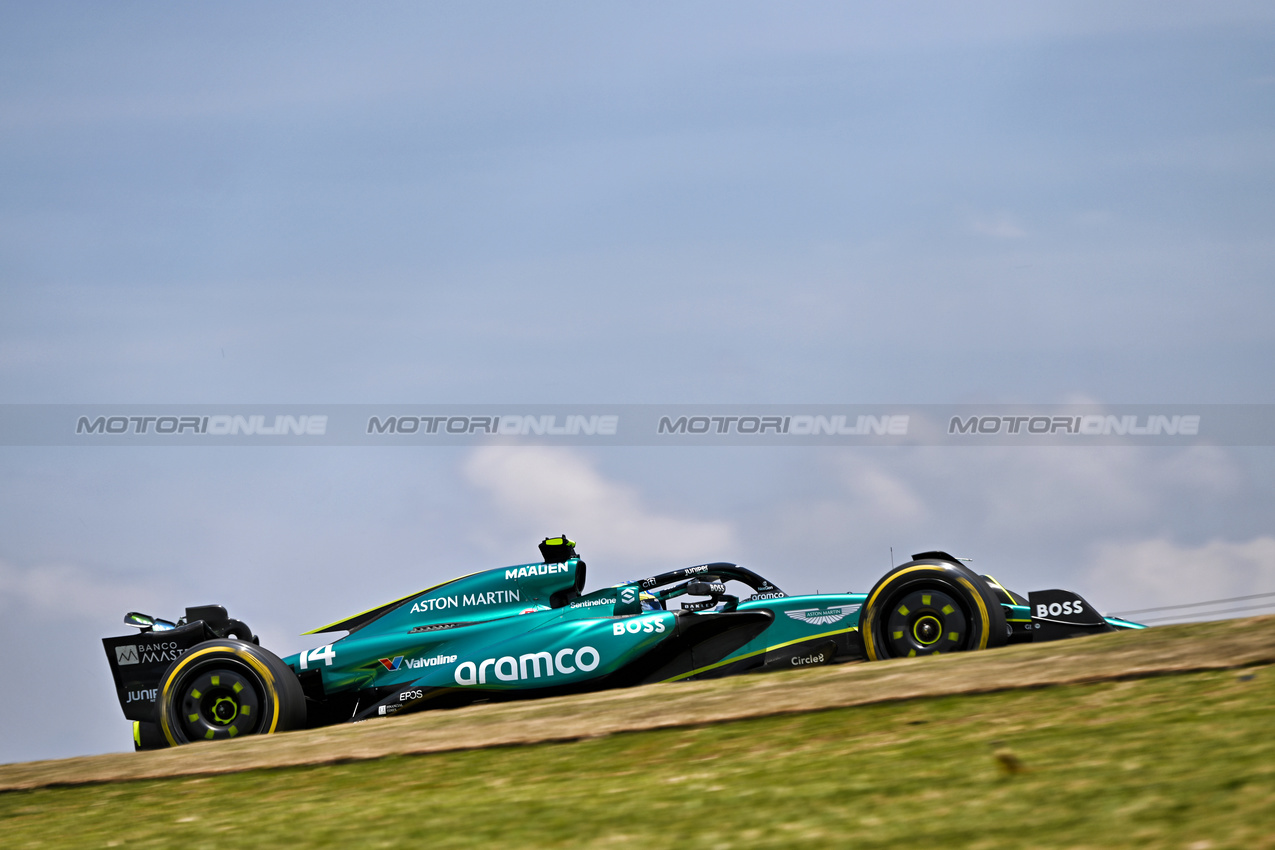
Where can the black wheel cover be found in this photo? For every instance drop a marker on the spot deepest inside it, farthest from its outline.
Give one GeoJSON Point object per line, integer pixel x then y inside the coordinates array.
{"type": "Point", "coordinates": [925, 621]}
{"type": "Point", "coordinates": [219, 700]}
{"type": "Point", "coordinates": [223, 689]}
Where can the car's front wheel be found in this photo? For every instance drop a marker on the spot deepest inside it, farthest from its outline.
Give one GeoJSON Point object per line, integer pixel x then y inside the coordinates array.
{"type": "Point", "coordinates": [226, 688]}
{"type": "Point", "coordinates": [930, 607]}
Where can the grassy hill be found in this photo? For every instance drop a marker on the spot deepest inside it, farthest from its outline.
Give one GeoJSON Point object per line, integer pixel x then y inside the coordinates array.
{"type": "Point", "coordinates": [1134, 753]}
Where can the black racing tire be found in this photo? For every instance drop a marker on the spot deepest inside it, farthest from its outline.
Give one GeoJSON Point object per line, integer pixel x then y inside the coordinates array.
{"type": "Point", "coordinates": [930, 607]}
{"type": "Point", "coordinates": [226, 688]}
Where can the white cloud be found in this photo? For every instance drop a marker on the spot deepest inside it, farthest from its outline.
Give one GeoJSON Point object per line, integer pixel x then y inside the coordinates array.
{"type": "Point", "coordinates": [882, 495]}
{"type": "Point", "coordinates": [58, 591]}
{"type": "Point", "coordinates": [1031, 517]}
{"type": "Point", "coordinates": [58, 613]}
{"type": "Point", "coordinates": [1080, 492]}
{"type": "Point", "coordinates": [544, 491]}
{"type": "Point", "coordinates": [1153, 572]}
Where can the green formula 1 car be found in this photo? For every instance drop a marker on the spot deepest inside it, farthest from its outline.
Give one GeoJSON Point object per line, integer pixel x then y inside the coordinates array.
{"type": "Point", "coordinates": [530, 631]}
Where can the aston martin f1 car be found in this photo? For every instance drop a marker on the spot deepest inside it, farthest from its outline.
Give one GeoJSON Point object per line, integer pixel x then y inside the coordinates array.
{"type": "Point", "coordinates": [530, 631]}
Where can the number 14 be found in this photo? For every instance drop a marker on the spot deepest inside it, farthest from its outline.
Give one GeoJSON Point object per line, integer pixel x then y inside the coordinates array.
{"type": "Point", "coordinates": [325, 654]}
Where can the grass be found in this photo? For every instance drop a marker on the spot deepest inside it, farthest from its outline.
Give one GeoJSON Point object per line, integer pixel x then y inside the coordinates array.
{"type": "Point", "coordinates": [1183, 761]}
{"type": "Point", "coordinates": [1193, 648]}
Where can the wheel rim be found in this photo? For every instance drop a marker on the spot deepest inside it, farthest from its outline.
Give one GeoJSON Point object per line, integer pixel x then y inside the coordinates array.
{"type": "Point", "coordinates": [927, 630]}
{"type": "Point", "coordinates": [925, 621]}
{"type": "Point", "coordinates": [220, 702]}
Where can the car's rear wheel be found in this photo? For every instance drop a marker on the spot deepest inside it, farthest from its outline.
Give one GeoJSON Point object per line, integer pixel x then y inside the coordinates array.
{"type": "Point", "coordinates": [226, 688]}
{"type": "Point", "coordinates": [930, 607]}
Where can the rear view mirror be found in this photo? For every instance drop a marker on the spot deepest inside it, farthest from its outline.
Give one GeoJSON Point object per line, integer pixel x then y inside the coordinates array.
{"type": "Point", "coordinates": [139, 621]}
{"type": "Point", "coordinates": [708, 586]}
{"type": "Point", "coordinates": [146, 622]}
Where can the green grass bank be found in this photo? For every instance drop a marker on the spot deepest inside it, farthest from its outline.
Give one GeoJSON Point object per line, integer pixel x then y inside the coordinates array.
{"type": "Point", "coordinates": [1183, 761]}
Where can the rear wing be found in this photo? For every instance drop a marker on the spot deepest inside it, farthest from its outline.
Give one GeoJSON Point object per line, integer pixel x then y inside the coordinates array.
{"type": "Point", "coordinates": [138, 662]}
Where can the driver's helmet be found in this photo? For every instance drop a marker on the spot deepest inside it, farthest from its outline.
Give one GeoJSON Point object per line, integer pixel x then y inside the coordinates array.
{"type": "Point", "coordinates": [650, 602]}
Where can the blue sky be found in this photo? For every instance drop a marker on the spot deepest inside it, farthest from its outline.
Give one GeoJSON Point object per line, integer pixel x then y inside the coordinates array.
{"type": "Point", "coordinates": [582, 203]}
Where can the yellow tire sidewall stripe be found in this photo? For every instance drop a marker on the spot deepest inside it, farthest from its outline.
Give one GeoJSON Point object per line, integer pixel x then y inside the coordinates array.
{"type": "Point", "coordinates": [266, 676]}
{"type": "Point", "coordinates": [982, 611]}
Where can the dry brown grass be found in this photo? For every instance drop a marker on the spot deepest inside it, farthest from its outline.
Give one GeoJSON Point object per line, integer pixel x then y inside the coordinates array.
{"type": "Point", "coordinates": [1126, 655]}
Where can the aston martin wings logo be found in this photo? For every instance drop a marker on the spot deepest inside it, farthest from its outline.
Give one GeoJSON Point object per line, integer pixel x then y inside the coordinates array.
{"type": "Point", "coordinates": [823, 616]}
